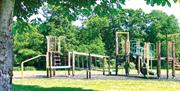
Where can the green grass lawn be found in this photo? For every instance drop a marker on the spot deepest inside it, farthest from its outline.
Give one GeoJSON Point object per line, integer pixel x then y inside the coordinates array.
{"type": "Point", "coordinates": [121, 71]}
{"type": "Point", "coordinates": [47, 84]}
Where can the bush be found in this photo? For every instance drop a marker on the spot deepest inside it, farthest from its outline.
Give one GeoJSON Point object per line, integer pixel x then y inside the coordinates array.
{"type": "Point", "coordinates": [131, 65]}
{"type": "Point", "coordinates": [27, 68]}
{"type": "Point", "coordinates": [16, 69]}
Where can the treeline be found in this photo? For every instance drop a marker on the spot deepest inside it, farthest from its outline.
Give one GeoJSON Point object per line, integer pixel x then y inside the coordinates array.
{"type": "Point", "coordinates": [97, 35]}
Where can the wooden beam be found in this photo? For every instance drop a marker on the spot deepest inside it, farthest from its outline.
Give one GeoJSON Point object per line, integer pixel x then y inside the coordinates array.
{"type": "Point", "coordinates": [92, 55]}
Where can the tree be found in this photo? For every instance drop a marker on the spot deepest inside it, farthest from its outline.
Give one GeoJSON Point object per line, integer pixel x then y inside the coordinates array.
{"type": "Point", "coordinates": [26, 44]}
{"type": "Point", "coordinates": [6, 54]}
{"type": "Point", "coordinates": [90, 39]}
{"type": "Point", "coordinates": [25, 8]}
{"type": "Point", "coordinates": [59, 25]}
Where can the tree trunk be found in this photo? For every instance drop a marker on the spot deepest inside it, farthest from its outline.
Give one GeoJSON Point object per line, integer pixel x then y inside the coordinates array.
{"type": "Point", "coordinates": [6, 54]}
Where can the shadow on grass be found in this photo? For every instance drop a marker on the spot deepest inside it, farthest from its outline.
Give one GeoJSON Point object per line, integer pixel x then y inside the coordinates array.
{"type": "Point", "coordinates": [38, 88]}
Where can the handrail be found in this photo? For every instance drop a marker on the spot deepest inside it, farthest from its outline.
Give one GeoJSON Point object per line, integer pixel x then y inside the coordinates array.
{"type": "Point", "coordinates": [87, 54]}
{"type": "Point", "coordinates": [22, 63]}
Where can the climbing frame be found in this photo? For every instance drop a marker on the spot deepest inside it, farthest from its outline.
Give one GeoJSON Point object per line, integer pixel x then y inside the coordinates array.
{"type": "Point", "coordinates": [123, 53]}
{"type": "Point", "coordinates": [54, 56]}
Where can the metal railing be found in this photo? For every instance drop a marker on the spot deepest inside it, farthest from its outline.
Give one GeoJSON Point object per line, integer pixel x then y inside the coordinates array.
{"type": "Point", "coordinates": [22, 64]}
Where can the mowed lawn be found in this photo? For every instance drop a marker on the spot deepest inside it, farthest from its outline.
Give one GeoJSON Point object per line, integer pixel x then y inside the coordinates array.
{"type": "Point", "coordinates": [47, 84]}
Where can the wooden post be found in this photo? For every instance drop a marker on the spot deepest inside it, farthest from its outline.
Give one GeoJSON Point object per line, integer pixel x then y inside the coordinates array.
{"type": "Point", "coordinates": [69, 62]}
{"type": "Point", "coordinates": [95, 62]}
{"type": "Point", "coordinates": [144, 58]}
{"type": "Point", "coordinates": [174, 59]}
{"type": "Point", "coordinates": [103, 59]}
{"type": "Point", "coordinates": [158, 54]}
{"type": "Point", "coordinates": [138, 59]}
{"type": "Point", "coordinates": [117, 53]}
{"type": "Point", "coordinates": [50, 62]}
{"type": "Point", "coordinates": [73, 63]}
{"type": "Point", "coordinates": [147, 60]}
{"type": "Point", "coordinates": [78, 64]}
{"type": "Point", "coordinates": [83, 62]}
{"type": "Point", "coordinates": [127, 57]}
{"type": "Point", "coordinates": [48, 75]}
{"type": "Point", "coordinates": [167, 55]}
{"type": "Point", "coordinates": [47, 56]}
{"type": "Point", "coordinates": [90, 61]}
{"type": "Point", "coordinates": [87, 69]}
{"type": "Point", "coordinates": [138, 56]}
{"type": "Point", "coordinates": [109, 67]}
{"type": "Point", "coordinates": [54, 72]}
{"type": "Point", "coordinates": [22, 70]}
{"type": "Point", "coordinates": [59, 44]}
{"type": "Point", "coordinates": [47, 63]}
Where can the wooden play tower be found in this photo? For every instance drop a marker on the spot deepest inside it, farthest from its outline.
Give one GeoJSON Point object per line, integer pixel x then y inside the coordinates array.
{"type": "Point", "coordinates": [55, 58]}
{"type": "Point", "coordinates": [119, 53]}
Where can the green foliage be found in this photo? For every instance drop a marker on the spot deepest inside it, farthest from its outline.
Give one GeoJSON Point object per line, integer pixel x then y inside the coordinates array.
{"type": "Point", "coordinates": [27, 44]}
{"type": "Point", "coordinates": [161, 24]}
{"type": "Point", "coordinates": [72, 8]}
{"type": "Point", "coordinates": [27, 68]}
{"type": "Point", "coordinates": [95, 85]}
{"type": "Point", "coordinates": [60, 26]}
{"type": "Point", "coordinates": [90, 36]}
{"type": "Point", "coordinates": [98, 32]}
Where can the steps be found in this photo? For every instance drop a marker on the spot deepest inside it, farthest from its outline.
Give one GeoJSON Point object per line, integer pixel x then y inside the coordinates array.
{"type": "Point", "coordinates": [57, 59]}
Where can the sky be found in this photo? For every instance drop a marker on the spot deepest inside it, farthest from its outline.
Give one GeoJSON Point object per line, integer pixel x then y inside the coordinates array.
{"type": "Point", "coordinates": [137, 4]}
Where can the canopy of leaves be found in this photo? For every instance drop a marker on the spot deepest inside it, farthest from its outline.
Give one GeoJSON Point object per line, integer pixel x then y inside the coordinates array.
{"type": "Point", "coordinates": [27, 44]}
{"type": "Point", "coordinates": [26, 8]}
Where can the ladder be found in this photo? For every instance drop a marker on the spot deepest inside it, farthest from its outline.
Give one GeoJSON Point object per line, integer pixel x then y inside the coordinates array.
{"type": "Point", "coordinates": [57, 59]}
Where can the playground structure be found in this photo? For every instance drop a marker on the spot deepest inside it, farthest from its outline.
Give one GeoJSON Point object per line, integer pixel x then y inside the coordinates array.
{"type": "Point", "coordinates": [170, 54]}
{"type": "Point", "coordinates": [87, 64]}
{"type": "Point", "coordinates": [125, 55]}
{"type": "Point", "coordinates": [58, 57]}
{"type": "Point", "coordinates": [55, 57]}
{"type": "Point", "coordinates": [144, 55]}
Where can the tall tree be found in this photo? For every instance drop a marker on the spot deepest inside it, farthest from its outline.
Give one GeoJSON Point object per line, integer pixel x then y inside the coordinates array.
{"type": "Point", "coordinates": [25, 8]}
{"type": "Point", "coordinates": [6, 54]}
